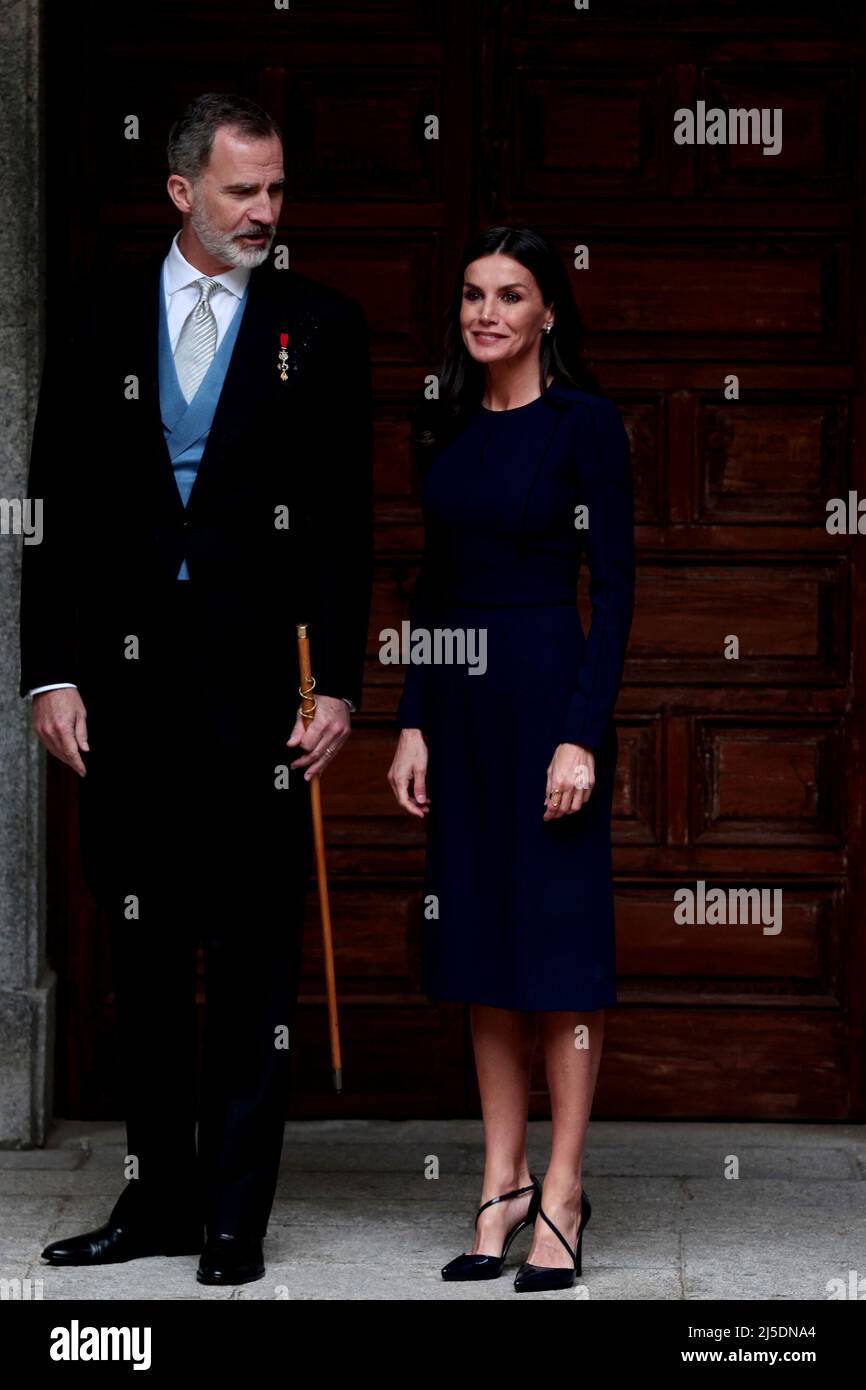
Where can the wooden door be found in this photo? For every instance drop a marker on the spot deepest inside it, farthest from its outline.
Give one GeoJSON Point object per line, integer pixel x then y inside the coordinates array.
{"type": "Point", "coordinates": [704, 262]}
{"type": "Point", "coordinates": [707, 262]}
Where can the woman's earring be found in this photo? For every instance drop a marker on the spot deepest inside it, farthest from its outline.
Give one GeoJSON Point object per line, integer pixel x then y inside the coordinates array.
{"type": "Point", "coordinates": [548, 328]}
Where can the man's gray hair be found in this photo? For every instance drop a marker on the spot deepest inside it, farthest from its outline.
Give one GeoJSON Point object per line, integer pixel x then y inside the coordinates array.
{"type": "Point", "coordinates": [190, 140]}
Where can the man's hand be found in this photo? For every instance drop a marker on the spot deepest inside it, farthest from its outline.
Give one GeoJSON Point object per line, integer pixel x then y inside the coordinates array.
{"type": "Point", "coordinates": [59, 721]}
{"type": "Point", "coordinates": [323, 737]}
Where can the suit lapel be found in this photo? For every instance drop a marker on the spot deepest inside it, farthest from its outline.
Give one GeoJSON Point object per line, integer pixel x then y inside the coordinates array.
{"type": "Point", "coordinates": [249, 379]}
{"type": "Point", "coordinates": [143, 312]}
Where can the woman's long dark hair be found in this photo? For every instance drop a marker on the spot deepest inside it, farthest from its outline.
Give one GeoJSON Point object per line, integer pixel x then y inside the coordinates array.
{"type": "Point", "coordinates": [461, 378]}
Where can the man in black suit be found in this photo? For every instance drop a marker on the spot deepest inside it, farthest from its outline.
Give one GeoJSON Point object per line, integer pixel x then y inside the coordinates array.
{"type": "Point", "coordinates": [202, 451]}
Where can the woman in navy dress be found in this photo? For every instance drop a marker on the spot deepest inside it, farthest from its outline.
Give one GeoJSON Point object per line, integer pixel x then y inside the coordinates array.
{"type": "Point", "coordinates": [507, 746]}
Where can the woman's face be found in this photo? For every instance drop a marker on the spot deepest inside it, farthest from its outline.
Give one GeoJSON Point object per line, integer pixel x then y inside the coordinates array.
{"type": "Point", "coordinates": [502, 312]}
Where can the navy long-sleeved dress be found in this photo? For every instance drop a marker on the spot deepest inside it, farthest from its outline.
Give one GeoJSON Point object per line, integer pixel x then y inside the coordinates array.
{"type": "Point", "coordinates": [518, 911]}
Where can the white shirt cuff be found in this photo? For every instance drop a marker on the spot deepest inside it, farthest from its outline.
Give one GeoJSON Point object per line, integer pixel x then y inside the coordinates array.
{"type": "Point", "coordinates": [61, 685]}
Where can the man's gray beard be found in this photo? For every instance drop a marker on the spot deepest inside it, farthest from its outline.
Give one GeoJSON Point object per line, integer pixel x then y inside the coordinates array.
{"type": "Point", "coordinates": [223, 247]}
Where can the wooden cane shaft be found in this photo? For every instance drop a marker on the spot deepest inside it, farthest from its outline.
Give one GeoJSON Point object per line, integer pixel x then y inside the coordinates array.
{"type": "Point", "coordinates": [308, 710]}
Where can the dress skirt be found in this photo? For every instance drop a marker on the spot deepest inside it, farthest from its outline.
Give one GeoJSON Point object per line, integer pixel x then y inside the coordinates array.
{"type": "Point", "coordinates": [522, 909]}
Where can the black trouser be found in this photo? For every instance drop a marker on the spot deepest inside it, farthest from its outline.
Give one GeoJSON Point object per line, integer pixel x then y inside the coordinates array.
{"type": "Point", "coordinates": [187, 837]}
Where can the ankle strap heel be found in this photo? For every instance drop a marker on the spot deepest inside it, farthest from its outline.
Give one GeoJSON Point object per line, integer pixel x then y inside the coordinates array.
{"type": "Point", "coordinates": [490, 1266]}
{"type": "Point", "coordinates": [535, 1278]}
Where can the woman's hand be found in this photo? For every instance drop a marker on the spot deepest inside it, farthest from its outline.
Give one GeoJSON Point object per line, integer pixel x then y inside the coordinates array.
{"type": "Point", "coordinates": [410, 766]}
{"type": "Point", "coordinates": [571, 771]}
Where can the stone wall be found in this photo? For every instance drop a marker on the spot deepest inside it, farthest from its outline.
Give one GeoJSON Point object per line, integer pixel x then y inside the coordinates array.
{"type": "Point", "coordinates": [27, 986]}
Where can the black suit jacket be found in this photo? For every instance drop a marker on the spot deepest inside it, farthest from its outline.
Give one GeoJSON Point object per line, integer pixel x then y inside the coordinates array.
{"type": "Point", "coordinates": [114, 526]}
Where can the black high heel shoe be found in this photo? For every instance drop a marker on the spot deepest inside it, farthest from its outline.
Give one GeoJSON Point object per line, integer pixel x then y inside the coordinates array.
{"type": "Point", "coordinates": [533, 1278]}
{"type": "Point", "coordinates": [490, 1266]}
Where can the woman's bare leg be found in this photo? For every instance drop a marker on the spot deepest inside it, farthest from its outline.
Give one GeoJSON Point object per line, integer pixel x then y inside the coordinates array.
{"type": "Point", "coordinates": [503, 1040]}
{"type": "Point", "coordinates": [572, 1070]}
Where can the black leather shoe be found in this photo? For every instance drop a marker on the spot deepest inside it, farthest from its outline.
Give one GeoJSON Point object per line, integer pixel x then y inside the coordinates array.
{"type": "Point", "coordinates": [129, 1234]}
{"type": "Point", "coordinates": [231, 1260]}
{"type": "Point", "coordinates": [490, 1266]}
{"type": "Point", "coordinates": [535, 1278]}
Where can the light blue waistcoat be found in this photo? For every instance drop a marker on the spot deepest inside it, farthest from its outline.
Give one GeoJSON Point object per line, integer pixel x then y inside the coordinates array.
{"type": "Point", "coordinates": [187, 425]}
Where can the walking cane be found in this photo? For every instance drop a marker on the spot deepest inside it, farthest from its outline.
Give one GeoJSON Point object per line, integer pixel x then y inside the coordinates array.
{"type": "Point", "coordinates": [308, 710]}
